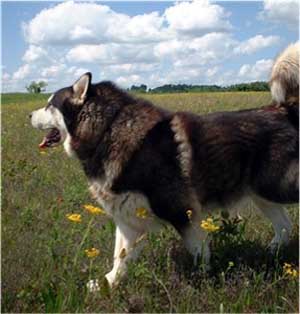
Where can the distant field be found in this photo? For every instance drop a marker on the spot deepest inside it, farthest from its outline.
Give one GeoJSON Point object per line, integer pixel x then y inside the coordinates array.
{"type": "Point", "coordinates": [44, 267]}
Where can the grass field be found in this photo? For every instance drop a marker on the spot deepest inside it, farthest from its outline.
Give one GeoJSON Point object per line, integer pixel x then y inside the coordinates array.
{"type": "Point", "coordinates": [44, 266]}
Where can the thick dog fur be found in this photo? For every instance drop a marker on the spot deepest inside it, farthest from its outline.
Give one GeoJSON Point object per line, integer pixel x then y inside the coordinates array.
{"type": "Point", "coordinates": [285, 74]}
{"type": "Point", "coordinates": [136, 155]}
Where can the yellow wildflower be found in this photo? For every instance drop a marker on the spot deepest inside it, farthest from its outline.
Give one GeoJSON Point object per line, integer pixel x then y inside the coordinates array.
{"type": "Point", "coordinates": [294, 273]}
{"type": "Point", "coordinates": [94, 210]}
{"type": "Point", "coordinates": [141, 212]}
{"type": "Point", "coordinates": [230, 264]}
{"type": "Point", "coordinates": [189, 213]}
{"type": "Point", "coordinates": [74, 217]}
{"type": "Point", "coordinates": [287, 266]}
{"type": "Point", "coordinates": [288, 270]}
{"type": "Point", "coordinates": [92, 253]}
{"type": "Point", "coordinates": [208, 225]}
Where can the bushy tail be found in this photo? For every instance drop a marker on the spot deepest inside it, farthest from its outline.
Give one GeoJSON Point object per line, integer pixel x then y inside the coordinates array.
{"type": "Point", "coordinates": [284, 82]}
{"type": "Point", "coordinates": [278, 91]}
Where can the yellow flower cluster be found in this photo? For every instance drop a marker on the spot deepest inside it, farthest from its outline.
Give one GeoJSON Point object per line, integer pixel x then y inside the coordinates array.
{"type": "Point", "coordinates": [208, 225]}
{"type": "Point", "coordinates": [288, 270]}
{"type": "Point", "coordinates": [92, 253]}
{"type": "Point", "coordinates": [141, 212]}
{"type": "Point", "coordinates": [74, 217]}
{"type": "Point", "coordinates": [94, 210]}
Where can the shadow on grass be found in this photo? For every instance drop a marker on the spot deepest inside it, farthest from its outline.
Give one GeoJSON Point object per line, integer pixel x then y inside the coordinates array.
{"type": "Point", "coordinates": [251, 255]}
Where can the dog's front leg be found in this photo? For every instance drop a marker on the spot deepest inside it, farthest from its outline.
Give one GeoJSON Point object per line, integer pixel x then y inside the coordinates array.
{"type": "Point", "coordinates": [127, 247]}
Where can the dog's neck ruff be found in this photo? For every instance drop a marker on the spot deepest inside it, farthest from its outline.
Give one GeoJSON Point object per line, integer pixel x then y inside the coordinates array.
{"type": "Point", "coordinates": [117, 145]}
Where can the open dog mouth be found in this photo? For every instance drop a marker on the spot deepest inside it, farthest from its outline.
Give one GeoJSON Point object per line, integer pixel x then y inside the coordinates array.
{"type": "Point", "coordinates": [51, 139]}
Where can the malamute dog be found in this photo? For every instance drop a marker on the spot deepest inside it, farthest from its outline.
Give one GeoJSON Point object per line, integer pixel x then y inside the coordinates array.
{"type": "Point", "coordinates": [147, 166]}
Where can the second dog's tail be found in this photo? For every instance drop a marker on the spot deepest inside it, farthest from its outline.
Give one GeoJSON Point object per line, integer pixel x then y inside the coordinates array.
{"type": "Point", "coordinates": [284, 82]}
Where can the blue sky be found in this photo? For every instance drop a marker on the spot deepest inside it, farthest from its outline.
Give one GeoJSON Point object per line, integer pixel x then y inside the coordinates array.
{"type": "Point", "coordinates": [152, 43]}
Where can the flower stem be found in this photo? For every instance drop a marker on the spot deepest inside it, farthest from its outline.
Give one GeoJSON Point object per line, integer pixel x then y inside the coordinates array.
{"type": "Point", "coordinates": [82, 241]}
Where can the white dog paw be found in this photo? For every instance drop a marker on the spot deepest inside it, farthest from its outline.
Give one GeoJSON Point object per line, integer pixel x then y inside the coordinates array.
{"type": "Point", "coordinates": [93, 285]}
{"type": "Point", "coordinates": [111, 279]}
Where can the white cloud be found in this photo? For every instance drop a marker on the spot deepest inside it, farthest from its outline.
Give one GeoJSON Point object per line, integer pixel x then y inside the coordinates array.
{"type": "Point", "coordinates": [93, 53]}
{"type": "Point", "coordinates": [80, 32]}
{"type": "Point", "coordinates": [94, 24]}
{"type": "Point", "coordinates": [166, 48]}
{"type": "Point", "coordinates": [57, 75]}
{"type": "Point", "coordinates": [22, 72]}
{"type": "Point", "coordinates": [90, 23]}
{"type": "Point", "coordinates": [244, 69]}
{"type": "Point", "coordinates": [188, 43]}
{"type": "Point", "coordinates": [33, 53]}
{"type": "Point", "coordinates": [255, 44]}
{"type": "Point", "coordinates": [129, 80]}
{"type": "Point", "coordinates": [184, 75]}
{"type": "Point", "coordinates": [257, 72]}
{"type": "Point", "coordinates": [281, 12]}
{"type": "Point", "coordinates": [207, 49]}
{"type": "Point", "coordinates": [5, 76]}
{"type": "Point", "coordinates": [77, 72]}
{"type": "Point", "coordinates": [111, 53]}
{"type": "Point", "coordinates": [211, 72]}
{"type": "Point", "coordinates": [128, 68]}
{"type": "Point", "coordinates": [53, 70]}
{"type": "Point", "coordinates": [197, 17]}
{"type": "Point", "coordinates": [137, 29]}
{"type": "Point", "coordinates": [68, 22]}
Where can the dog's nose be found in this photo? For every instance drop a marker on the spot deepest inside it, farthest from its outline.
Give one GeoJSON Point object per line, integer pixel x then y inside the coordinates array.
{"type": "Point", "coordinates": [30, 115]}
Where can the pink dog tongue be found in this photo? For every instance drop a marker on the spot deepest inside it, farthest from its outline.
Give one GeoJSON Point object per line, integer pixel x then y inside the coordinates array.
{"type": "Point", "coordinates": [51, 138]}
{"type": "Point", "coordinates": [43, 144]}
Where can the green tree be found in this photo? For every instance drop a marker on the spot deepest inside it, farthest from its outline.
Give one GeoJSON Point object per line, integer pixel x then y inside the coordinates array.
{"type": "Point", "coordinates": [140, 89]}
{"type": "Point", "coordinates": [36, 87]}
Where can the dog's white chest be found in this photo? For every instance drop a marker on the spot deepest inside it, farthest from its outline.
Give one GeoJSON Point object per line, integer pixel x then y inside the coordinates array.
{"type": "Point", "coordinates": [130, 208]}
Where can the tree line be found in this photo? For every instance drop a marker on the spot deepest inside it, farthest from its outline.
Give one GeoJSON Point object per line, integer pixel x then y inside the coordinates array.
{"type": "Point", "coordinates": [38, 87]}
{"type": "Point", "coordinates": [186, 88]}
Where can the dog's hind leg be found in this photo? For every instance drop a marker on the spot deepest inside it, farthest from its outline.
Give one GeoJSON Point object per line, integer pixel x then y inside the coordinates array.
{"type": "Point", "coordinates": [196, 239]}
{"type": "Point", "coordinates": [196, 242]}
{"type": "Point", "coordinates": [279, 218]}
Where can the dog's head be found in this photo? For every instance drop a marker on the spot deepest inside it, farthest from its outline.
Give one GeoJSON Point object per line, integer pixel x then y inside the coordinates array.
{"type": "Point", "coordinates": [61, 112]}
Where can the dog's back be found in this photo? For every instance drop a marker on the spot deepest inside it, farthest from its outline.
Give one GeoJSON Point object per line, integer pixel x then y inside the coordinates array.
{"type": "Point", "coordinates": [284, 82]}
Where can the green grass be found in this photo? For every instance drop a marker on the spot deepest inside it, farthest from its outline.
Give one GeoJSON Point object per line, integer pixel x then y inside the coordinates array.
{"type": "Point", "coordinates": [41, 274]}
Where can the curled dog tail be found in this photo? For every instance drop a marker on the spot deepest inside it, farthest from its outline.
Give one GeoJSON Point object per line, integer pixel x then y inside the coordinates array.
{"type": "Point", "coordinates": [284, 82]}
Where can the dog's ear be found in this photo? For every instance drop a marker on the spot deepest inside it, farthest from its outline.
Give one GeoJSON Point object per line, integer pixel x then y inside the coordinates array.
{"type": "Point", "coordinates": [81, 86]}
